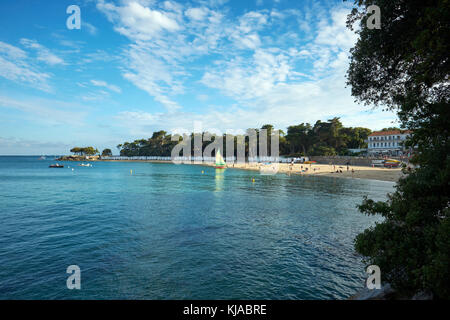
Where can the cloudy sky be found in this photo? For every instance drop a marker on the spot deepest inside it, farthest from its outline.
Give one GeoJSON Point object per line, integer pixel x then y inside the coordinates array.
{"type": "Point", "coordinates": [137, 66]}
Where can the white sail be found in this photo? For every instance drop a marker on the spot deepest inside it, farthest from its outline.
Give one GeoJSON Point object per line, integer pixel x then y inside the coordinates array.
{"type": "Point", "coordinates": [219, 159]}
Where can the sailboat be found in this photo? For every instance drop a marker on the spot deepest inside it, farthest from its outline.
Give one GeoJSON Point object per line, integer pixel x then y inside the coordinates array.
{"type": "Point", "coordinates": [220, 163]}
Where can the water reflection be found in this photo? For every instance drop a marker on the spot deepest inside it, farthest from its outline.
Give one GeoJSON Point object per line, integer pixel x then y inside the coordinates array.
{"type": "Point", "coordinates": [219, 179]}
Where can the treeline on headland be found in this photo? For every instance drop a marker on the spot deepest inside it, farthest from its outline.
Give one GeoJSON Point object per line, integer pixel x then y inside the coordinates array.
{"type": "Point", "coordinates": [322, 139]}
{"type": "Point", "coordinates": [90, 151]}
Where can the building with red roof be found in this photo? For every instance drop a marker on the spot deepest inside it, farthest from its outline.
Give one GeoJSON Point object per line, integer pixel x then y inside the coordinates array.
{"type": "Point", "coordinates": [388, 142]}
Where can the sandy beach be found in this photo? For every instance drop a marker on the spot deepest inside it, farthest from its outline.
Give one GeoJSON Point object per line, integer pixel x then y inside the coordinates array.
{"type": "Point", "coordinates": [359, 172]}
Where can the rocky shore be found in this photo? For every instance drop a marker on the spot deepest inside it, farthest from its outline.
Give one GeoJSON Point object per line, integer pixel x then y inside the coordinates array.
{"type": "Point", "coordinates": [79, 158]}
{"type": "Point", "coordinates": [387, 293]}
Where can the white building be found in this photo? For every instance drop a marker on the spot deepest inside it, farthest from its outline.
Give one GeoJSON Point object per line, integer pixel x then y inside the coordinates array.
{"type": "Point", "coordinates": [388, 142]}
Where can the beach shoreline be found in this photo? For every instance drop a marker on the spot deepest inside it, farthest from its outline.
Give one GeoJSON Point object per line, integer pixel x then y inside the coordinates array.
{"type": "Point", "coordinates": [325, 170]}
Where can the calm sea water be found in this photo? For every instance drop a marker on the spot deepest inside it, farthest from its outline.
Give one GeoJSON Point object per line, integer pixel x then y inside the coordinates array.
{"type": "Point", "coordinates": [170, 232]}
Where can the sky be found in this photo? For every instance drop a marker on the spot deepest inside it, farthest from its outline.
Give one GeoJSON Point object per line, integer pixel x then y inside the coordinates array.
{"type": "Point", "coordinates": [138, 66]}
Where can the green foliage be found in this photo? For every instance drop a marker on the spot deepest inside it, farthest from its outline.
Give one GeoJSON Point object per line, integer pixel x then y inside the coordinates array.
{"type": "Point", "coordinates": [159, 144]}
{"type": "Point", "coordinates": [323, 139]}
{"type": "Point", "coordinates": [391, 129]}
{"type": "Point", "coordinates": [88, 151]}
{"type": "Point", "coordinates": [76, 150]}
{"type": "Point", "coordinates": [106, 153]}
{"type": "Point", "coordinates": [405, 66]}
{"type": "Point", "coordinates": [323, 151]}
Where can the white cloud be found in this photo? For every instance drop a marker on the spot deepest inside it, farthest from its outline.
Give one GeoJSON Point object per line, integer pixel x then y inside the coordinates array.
{"type": "Point", "coordinates": [336, 33]}
{"type": "Point", "coordinates": [268, 87]}
{"type": "Point", "coordinates": [244, 35]}
{"type": "Point", "coordinates": [15, 66]}
{"type": "Point", "coordinates": [202, 97]}
{"type": "Point", "coordinates": [43, 54]}
{"type": "Point", "coordinates": [91, 29]}
{"type": "Point", "coordinates": [197, 13]}
{"type": "Point", "coordinates": [272, 78]}
{"type": "Point", "coordinates": [11, 51]}
{"type": "Point", "coordinates": [271, 89]}
{"type": "Point", "coordinates": [48, 111]}
{"type": "Point", "coordinates": [153, 75]}
{"type": "Point", "coordinates": [246, 79]}
{"type": "Point", "coordinates": [19, 146]}
{"type": "Point", "coordinates": [100, 83]}
{"type": "Point", "coordinates": [137, 21]}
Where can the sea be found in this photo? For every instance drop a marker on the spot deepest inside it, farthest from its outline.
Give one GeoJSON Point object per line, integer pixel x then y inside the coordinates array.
{"type": "Point", "coordinates": [164, 231]}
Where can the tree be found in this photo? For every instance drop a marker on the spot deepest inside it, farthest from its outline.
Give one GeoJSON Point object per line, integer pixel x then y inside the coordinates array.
{"type": "Point", "coordinates": [405, 67]}
{"type": "Point", "coordinates": [107, 153]}
{"type": "Point", "coordinates": [90, 151]}
{"type": "Point", "coordinates": [76, 150]}
{"type": "Point", "coordinates": [299, 138]}
{"type": "Point", "coordinates": [355, 138]}
{"type": "Point", "coordinates": [391, 129]}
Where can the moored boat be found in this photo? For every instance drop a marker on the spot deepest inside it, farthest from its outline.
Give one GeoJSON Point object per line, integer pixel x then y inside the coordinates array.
{"type": "Point", "coordinates": [85, 165]}
{"type": "Point", "coordinates": [220, 163]}
{"type": "Point", "coordinates": [392, 163]}
{"type": "Point", "coordinates": [56, 166]}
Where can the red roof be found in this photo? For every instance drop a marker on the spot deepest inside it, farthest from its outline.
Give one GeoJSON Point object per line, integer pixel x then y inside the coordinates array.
{"type": "Point", "coordinates": [388, 133]}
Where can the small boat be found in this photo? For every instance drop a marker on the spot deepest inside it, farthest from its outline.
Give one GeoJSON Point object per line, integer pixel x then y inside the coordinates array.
{"type": "Point", "coordinates": [220, 163]}
{"type": "Point", "coordinates": [392, 161]}
{"type": "Point", "coordinates": [41, 158]}
{"type": "Point", "coordinates": [85, 165]}
{"type": "Point", "coordinates": [310, 162]}
{"type": "Point", "coordinates": [56, 166]}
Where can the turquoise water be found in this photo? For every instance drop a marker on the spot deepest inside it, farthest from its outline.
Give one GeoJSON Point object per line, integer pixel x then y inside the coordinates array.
{"type": "Point", "coordinates": [170, 232]}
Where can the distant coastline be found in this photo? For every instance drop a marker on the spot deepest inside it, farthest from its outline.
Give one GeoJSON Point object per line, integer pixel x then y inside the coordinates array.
{"type": "Point", "coordinates": [327, 170]}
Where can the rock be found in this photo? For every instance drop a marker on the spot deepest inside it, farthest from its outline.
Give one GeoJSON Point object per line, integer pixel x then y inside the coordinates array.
{"type": "Point", "coordinates": [423, 295]}
{"type": "Point", "coordinates": [374, 294]}
{"type": "Point", "coordinates": [78, 158]}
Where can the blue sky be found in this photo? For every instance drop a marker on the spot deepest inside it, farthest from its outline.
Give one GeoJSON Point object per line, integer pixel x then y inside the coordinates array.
{"type": "Point", "coordinates": [137, 66]}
